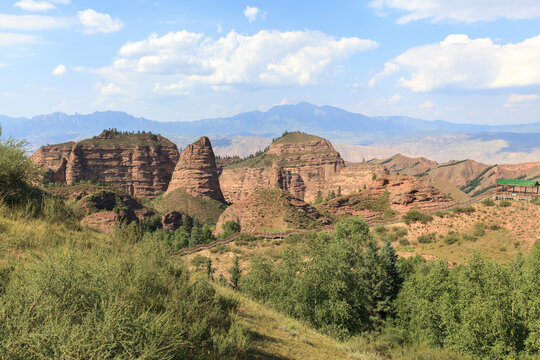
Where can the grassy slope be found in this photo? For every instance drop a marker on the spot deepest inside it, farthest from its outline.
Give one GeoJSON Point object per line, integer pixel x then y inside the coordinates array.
{"type": "Point", "coordinates": [275, 211]}
{"type": "Point", "coordinates": [179, 200]}
{"type": "Point", "coordinates": [447, 188]}
{"type": "Point", "coordinates": [517, 233]}
{"type": "Point", "coordinates": [275, 336]}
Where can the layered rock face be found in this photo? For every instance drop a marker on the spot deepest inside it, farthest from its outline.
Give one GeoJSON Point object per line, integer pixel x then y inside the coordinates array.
{"type": "Point", "coordinates": [403, 194]}
{"type": "Point", "coordinates": [291, 163]}
{"type": "Point", "coordinates": [196, 171]}
{"type": "Point", "coordinates": [139, 164]}
{"type": "Point", "coordinates": [53, 159]}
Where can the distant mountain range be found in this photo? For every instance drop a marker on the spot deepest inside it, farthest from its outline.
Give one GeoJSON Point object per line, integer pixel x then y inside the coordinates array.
{"type": "Point", "coordinates": [247, 132]}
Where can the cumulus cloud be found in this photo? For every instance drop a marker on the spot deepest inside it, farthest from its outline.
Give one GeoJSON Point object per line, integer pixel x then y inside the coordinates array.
{"type": "Point", "coordinates": [95, 22]}
{"type": "Point", "coordinates": [459, 10]}
{"type": "Point", "coordinates": [464, 63]}
{"type": "Point", "coordinates": [427, 105]}
{"type": "Point", "coordinates": [33, 22]}
{"type": "Point", "coordinates": [59, 70]}
{"type": "Point", "coordinates": [251, 13]}
{"type": "Point", "coordinates": [178, 61]}
{"type": "Point", "coordinates": [32, 5]}
{"type": "Point", "coordinates": [111, 90]}
{"type": "Point", "coordinates": [11, 39]}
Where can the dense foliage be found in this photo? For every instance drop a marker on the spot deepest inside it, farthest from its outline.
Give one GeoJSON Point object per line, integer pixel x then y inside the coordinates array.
{"type": "Point", "coordinates": [345, 287]}
{"type": "Point", "coordinates": [190, 234]}
{"type": "Point", "coordinates": [100, 304]}
{"type": "Point", "coordinates": [343, 284]}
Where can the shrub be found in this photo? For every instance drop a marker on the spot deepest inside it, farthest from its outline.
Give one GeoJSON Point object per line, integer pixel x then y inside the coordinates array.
{"type": "Point", "coordinates": [479, 229]}
{"type": "Point", "coordinates": [505, 203]}
{"type": "Point", "coordinates": [416, 216]}
{"type": "Point", "coordinates": [488, 202]}
{"type": "Point", "coordinates": [16, 171]}
{"type": "Point", "coordinates": [381, 229]}
{"type": "Point", "coordinates": [463, 210]}
{"type": "Point", "coordinates": [468, 237]}
{"type": "Point", "coordinates": [451, 239]}
{"type": "Point", "coordinates": [98, 304]}
{"type": "Point", "coordinates": [427, 238]}
{"type": "Point", "coordinates": [230, 227]}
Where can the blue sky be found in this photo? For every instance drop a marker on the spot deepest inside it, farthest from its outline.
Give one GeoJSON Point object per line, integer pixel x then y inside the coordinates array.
{"type": "Point", "coordinates": [472, 61]}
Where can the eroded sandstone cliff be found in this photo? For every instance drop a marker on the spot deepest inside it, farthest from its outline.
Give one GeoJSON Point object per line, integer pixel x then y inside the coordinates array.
{"type": "Point", "coordinates": [196, 171]}
{"type": "Point", "coordinates": [140, 164]}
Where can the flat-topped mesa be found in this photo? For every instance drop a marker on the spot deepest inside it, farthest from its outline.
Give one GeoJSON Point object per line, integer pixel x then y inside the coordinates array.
{"type": "Point", "coordinates": [301, 158]}
{"type": "Point", "coordinates": [196, 171]}
{"type": "Point", "coordinates": [139, 164]}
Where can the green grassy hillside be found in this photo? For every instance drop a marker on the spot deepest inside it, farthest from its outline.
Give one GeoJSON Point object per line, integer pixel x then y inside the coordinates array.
{"type": "Point", "coordinates": [205, 210]}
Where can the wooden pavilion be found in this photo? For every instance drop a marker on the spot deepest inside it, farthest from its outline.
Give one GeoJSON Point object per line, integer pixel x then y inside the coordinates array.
{"type": "Point", "coordinates": [517, 189]}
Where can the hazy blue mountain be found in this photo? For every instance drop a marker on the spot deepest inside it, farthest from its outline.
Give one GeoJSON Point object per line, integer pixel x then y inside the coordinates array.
{"type": "Point", "coordinates": [330, 122]}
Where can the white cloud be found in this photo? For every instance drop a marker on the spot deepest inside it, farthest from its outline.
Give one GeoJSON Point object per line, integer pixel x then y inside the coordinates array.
{"type": "Point", "coordinates": [32, 5]}
{"type": "Point", "coordinates": [11, 39]}
{"type": "Point", "coordinates": [219, 28]}
{"type": "Point", "coordinates": [2, 64]}
{"type": "Point", "coordinates": [33, 22]}
{"type": "Point", "coordinates": [95, 22]}
{"type": "Point", "coordinates": [427, 105]}
{"type": "Point", "coordinates": [251, 13]}
{"type": "Point", "coordinates": [59, 70]}
{"type": "Point", "coordinates": [111, 90]}
{"type": "Point", "coordinates": [464, 63]}
{"type": "Point", "coordinates": [518, 98]}
{"type": "Point", "coordinates": [459, 10]}
{"type": "Point", "coordinates": [178, 61]}
{"type": "Point", "coordinates": [394, 98]}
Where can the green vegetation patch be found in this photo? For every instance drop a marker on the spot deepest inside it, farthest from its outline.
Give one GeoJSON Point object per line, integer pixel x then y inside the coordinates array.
{"type": "Point", "coordinates": [206, 210]}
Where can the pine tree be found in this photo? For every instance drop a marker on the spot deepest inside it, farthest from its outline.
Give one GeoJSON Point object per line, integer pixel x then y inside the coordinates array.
{"type": "Point", "coordinates": [209, 269]}
{"type": "Point", "coordinates": [392, 280]}
{"type": "Point", "coordinates": [235, 273]}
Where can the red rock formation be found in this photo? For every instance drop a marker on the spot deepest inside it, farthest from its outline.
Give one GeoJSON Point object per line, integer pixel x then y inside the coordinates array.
{"type": "Point", "coordinates": [404, 193]}
{"type": "Point", "coordinates": [302, 159]}
{"type": "Point", "coordinates": [104, 221]}
{"type": "Point", "coordinates": [196, 171]}
{"type": "Point", "coordinates": [140, 164]}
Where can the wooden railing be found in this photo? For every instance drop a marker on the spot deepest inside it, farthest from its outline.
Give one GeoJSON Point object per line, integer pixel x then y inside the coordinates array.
{"type": "Point", "coordinates": [281, 235]}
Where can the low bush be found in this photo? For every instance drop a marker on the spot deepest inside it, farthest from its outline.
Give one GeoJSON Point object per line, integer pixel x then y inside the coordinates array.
{"type": "Point", "coordinates": [416, 216]}
{"type": "Point", "coordinates": [463, 210]}
{"type": "Point", "coordinates": [505, 203]}
{"type": "Point", "coordinates": [488, 202]}
{"type": "Point", "coordinates": [427, 238]}
{"type": "Point", "coordinates": [479, 229]}
{"type": "Point", "coordinates": [451, 239]}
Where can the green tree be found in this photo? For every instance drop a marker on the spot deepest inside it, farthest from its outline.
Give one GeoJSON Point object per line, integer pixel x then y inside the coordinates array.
{"type": "Point", "coordinates": [319, 198]}
{"type": "Point", "coordinates": [230, 227]}
{"type": "Point", "coordinates": [236, 273]}
{"type": "Point", "coordinates": [209, 269]}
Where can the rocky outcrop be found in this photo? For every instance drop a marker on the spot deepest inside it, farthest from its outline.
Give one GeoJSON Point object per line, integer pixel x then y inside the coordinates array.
{"type": "Point", "coordinates": [272, 210]}
{"type": "Point", "coordinates": [390, 196]}
{"type": "Point", "coordinates": [196, 171]}
{"type": "Point", "coordinates": [53, 160]}
{"type": "Point", "coordinates": [291, 162]}
{"type": "Point", "coordinates": [172, 220]}
{"type": "Point", "coordinates": [139, 164]}
{"type": "Point", "coordinates": [102, 221]}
